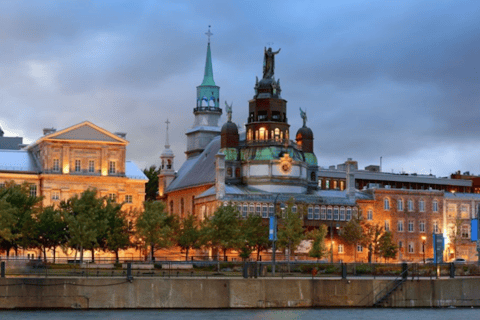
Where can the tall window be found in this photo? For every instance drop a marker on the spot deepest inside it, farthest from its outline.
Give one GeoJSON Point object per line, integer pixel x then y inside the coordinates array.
{"type": "Point", "coordinates": [387, 225]}
{"type": "Point", "coordinates": [410, 225]}
{"type": "Point", "coordinates": [323, 213]}
{"type": "Point", "coordinates": [435, 206]}
{"type": "Point", "coordinates": [317, 213]}
{"type": "Point", "coordinates": [245, 210]}
{"type": "Point", "coordinates": [56, 165]}
{"type": "Point", "coordinates": [421, 206]}
{"type": "Point", "coordinates": [465, 231]}
{"type": "Point", "coordinates": [77, 166]}
{"type": "Point", "coordinates": [91, 166]}
{"type": "Point", "coordinates": [264, 211]}
{"type": "Point", "coordinates": [252, 208]}
{"type": "Point", "coordinates": [55, 195]}
{"type": "Point", "coordinates": [310, 213]}
{"type": "Point", "coordinates": [342, 214]}
{"type": "Point", "coordinates": [349, 214]}
{"type": "Point", "coordinates": [111, 167]}
{"type": "Point", "coordinates": [261, 132]}
{"type": "Point", "coordinates": [271, 210]}
{"type": "Point", "coordinates": [335, 213]}
{"type": "Point", "coordinates": [410, 205]}
{"type": "Point", "coordinates": [386, 204]}
{"type": "Point", "coordinates": [436, 229]}
{"type": "Point", "coordinates": [400, 226]}
{"type": "Point", "coordinates": [369, 214]}
{"type": "Point", "coordinates": [113, 197]}
{"type": "Point", "coordinates": [399, 204]}
{"type": "Point", "coordinates": [182, 207]}
{"type": "Point", "coordinates": [341, 249]}
{"type": "Point", "coordinates": [410, 247]}
{"type": "Point", "coordinates": [33, 190]}
{"type": "Point", "coordinates": [359, 248]}
{"type": "Point", "coordinates": [329, 214]}
{"type": "Point", "coordinates": [327, 184]}
{"type": "Point", "coordinates": [421, 226]}
{"type": "Point", "coordinates": [258, 209]}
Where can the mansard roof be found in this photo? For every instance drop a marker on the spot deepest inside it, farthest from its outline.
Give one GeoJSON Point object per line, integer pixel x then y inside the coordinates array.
{"type": "Point", "coordinates": [18, 161]}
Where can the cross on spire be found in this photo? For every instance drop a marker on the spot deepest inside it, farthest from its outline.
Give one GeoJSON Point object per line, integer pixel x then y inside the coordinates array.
{"type": "Point", "coordinates": [208, 33]}
{"type": "Point", "coordinates": [167, 144]}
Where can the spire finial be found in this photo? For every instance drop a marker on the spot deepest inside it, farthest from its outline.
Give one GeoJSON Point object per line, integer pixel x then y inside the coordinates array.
{"type": "Point", "coordinates": [167, 144]}
{"type": "Point", "coordinates": [208, 33]}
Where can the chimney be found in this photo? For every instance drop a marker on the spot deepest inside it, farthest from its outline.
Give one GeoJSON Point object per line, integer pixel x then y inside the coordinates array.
{"type": "Point", "coordinates": [47, 131]}
{"type": "Point", "coordinates": [220, 175]}
{"type": "Point", "coordinates": [350, 168]}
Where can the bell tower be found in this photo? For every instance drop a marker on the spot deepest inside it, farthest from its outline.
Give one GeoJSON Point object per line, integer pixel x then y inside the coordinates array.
{"type": "Point", "coordinates": [207, 111]}
{"type": "Point", "coordinates": [167, 172]}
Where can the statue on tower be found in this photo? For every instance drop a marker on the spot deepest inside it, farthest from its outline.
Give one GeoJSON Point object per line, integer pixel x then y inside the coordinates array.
{"type": "Point", "coordinates": [269, 63]}
{"type": "Point", "coordinates": [228, 109]}
{"type": "Point", "coordinates": [303, 115]}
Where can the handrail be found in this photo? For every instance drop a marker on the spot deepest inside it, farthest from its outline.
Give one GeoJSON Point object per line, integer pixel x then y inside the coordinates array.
{"type": "Point", "coordinates": [396, 281]}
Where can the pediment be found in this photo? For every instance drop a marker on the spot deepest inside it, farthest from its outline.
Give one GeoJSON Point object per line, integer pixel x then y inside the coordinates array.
{"type": "Point", "coordinates": [86, 131]}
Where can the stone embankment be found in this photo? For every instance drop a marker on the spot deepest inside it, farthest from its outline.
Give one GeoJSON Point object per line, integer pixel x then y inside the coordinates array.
{"type": "Point", "coordinates": [118, 293]}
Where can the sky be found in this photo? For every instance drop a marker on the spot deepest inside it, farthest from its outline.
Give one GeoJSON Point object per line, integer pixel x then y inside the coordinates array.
{"type": "Point", "coordinates": [393, 79]}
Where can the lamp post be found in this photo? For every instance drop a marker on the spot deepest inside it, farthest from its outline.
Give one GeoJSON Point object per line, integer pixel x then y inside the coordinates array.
{"type": "Point", "coordinates": [331, 241]}
{"type": "Point", "coordinates": [423, 247]}
{"type": "Point", "coordinates": [274, 231]}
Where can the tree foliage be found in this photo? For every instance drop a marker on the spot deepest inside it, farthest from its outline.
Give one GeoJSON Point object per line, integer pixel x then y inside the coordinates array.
{"type": "Point", "coordinates": [371, 237]}
{"type": "Point", "coordinates": [50, 230]}
{"type": "Point", "coordinates": [386, 247]}
{"type": "Point", "coordinates": [353, 234]}
{"type": "Point", "coordinates": [222, 229]}
{"type": "Point", "coordinates": [290, 232]}
{"type": "Point", "coordinates": [189, 235]}
{"type": "Point", "coordinates": [318, 249]}
{"type": "Point", "coordinates": [151, 188]}
{"type": "Point", "coordinates": [253, 236]}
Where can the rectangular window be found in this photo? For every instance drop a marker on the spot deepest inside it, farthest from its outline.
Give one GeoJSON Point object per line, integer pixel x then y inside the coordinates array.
{"type": "Point", "coordinates": [55, 195]}
{"type": "Point", "coordinates": [342, 214]}
{"type": "Point", "coordinates": [335, 184]}
{"type": "Point", "coordinates": [264, 211]}
{"type": "Point", "coordinates": [113, 197]}
{"type": "Point", "coordinates": [359, 248]}
{"type": "Point", "coordinates": [294, 209]}
{"type": "Point", "coordinates": [252, 208]}
{"type": "Point", "coordinates": [410, 205]}
{"type": "Point", "coordinates": [33, 190]}
{"type": "Point", "coordinates": [329, 214]}
{"type": "Point", "coordinates": [56, 165]}
{"type": "Point", "coordinates": [464, 211]}
{"type": "Point", "coordinates": [128, 198]}
{"type": "Point", "coordinates": [465, 232]}
{"type": "Point", "coordinates": [400, 226]}
{"type": "Point", "coordinates": [310, 213]}
{"type": "Point", "coordinates": [421, 206]}
{"type": "Point", "coordinates": [245, 211]}
{"type": "Point", "coordinates": [239, 209]}
{"type": "Point", "coordinates": [386, 204]}
{"type": "Point", "coordinates": [112, 167]}
{"type": "Point", "coordinates": [421, 226]}
{"type": "Point", "coordinates": [77, 166]}
{"type": "Point", "coordinates": [91, 166]}
{"type": "Point", "coordinates": [349, 214]}
{"type": "Point", "coordinates": [369, 215]}
{"type": "Point", "coordinates": [323, 213]}
{"type": "Point", "coordinates": [341, 248]}
{"type": "Point", "coordinates": [435, 206]}
{"type": "Point", "coordinates": [387, 225]}
{"type": "Point", "coordinates": [399, 205]}
{"type": "Point", "coordinates": [327, 184]}
{"type": "Point", "coordinates": [335, 213]}
{"type": "Point", "coordinates": [258, 210]}
{"type": "Point", "coordinates": [436, 229]}
{"type": "Point", "coordinates": [271, 211]}
{"type": "Point", "coordinates": [317, 213]}
{"type": "Point", "coordinates": [410, 248]}
{"type": "Point", "coordinates": [410, 225]}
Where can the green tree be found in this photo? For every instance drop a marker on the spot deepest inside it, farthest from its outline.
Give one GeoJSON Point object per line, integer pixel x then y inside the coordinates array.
{"type": "Point", "coordinates": [86, 220]}
{"type": "Point", "coordinates": [371, 238]}
{"type": "Point", "coordinates": [253, 236]}
{"type": "Point", "coordinates": [50, 230]}
{"type": "Point", "coordinates": [290, 231]}
{"type": "Point", "coordinates": [386, 247]}
{"type": "Point", "coordinates": [189, 234]}
{"type": "Point", "coordinates": [155, 227]}
{"type": "Point", "coordinates": [222, 229]}
{"type": "Point", "coordinates": [118, 230]}
{"type": "Point", "coordinates": [352, 234]}
{"type": "Point", "coordinates": [151, 188]}
{"type": "Point", "coordinates": [318, 249]}
{"type": "Point", "coordinates": [7, 221]}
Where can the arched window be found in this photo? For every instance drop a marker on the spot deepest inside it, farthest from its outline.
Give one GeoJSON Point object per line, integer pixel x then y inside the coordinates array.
{"type": "Point", "coordinates": [211, 102]}
{"type": "Point", "coordinates": [277, 134]}
{"type": "Point", "coordinates": [182, 207]}
{"type": "Point", "coordinates": [386, 204]}
{"type": "Point", "coordinates": [286, 135]}
{"type": "Point", "coordinates": [261, 132]}
{"type": "Point", "coordinates": [237, 172]}
{"type": "Point", "coordinates": [171, 207]}
{"type": "Point", "coordinates": [229, 171]}
{"type": "Point", "coordinates": [435, 206]}
{"type": "Point", "coordinates": [250, 133]}
{"type": "Point", "coordinates": [204, 102]}
{"type": "Point", "coordinates": [281, 135]}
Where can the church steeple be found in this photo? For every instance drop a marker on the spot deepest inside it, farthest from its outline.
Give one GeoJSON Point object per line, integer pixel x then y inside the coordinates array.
{"type": "Point", "coordinates": [207, 111]}
{"type": "Point", "coordinates": [167, 172]}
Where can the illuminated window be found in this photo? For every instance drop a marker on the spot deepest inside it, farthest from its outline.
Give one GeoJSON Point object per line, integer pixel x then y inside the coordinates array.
{"type": "Point", "coordinates": [327, 184]}
{"type": "Point", "coordinates": [369, 214]}
{"type": "Point", "coordinates": [277, 134]}
{"type": "Point", "coordinates": [335, 184]}
{"type": "Point", "coordinates": [387, 225]}
{"type": "Point", "coordinates": [262, 134]}
{"type": "Point", "coordinates": [341, 248]}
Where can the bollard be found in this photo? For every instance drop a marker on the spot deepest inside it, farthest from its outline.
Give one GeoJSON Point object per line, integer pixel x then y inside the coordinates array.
{"type": "Point", "coordinates": [245, 270]}
{"type": "Point", "coordinates": [404, 271]}
{"type": "Point", "coordinates": [344, 271]}
{"type": "Point", "coordinates": [452, 270]}
{"type": "Point", "coordinates": [3, 269]}
{"type": "Point", "coordinates": [129, 271]}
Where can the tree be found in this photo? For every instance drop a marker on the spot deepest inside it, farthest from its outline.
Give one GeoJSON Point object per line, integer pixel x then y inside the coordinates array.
{"type": "Point", "coordinates": [118, 230]}
{"type": "Point", "coordinates": [86, 220]}
{"type": "Point", "coordinates": [290, 232]}
{"type": "Point", "coordinates": [155, 227]}
{"type": "Point", "coordinates": [50, 230]}
{"type": "Point", "coordinates": [371, 237]}
{"type": "Point", "coordinates": [353, 234]}
{"type": "Point", "coordinates": [253, 236]}
{"type": "Point", "coordinates": [188, 234]}
{"type": "Point", "coordinates": [151, 188]}
{"type": "Point", "coordinates": [318, 249]}
{"type": "Point", "coordinates": [222, 229]}
{"type": "Point", "coordinates": [386, 247]}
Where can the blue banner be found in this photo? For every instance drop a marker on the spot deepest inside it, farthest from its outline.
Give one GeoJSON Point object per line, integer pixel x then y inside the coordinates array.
{"type": "Point", "coordinates": [474, 228]}
{"type": "Point", "coordinates": [272, 230]}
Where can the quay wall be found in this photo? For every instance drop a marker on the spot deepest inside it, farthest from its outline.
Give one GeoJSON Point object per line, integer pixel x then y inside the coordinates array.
{"type": "Point", "coordinates": [117, 293]}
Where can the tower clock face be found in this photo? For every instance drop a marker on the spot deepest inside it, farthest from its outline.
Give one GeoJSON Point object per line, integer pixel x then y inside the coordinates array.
{"type": "Point", "coordinates": [286, 167]}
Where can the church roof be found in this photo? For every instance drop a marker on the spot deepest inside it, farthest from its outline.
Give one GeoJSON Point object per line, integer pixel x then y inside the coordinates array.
{"type": "Point", "coordinates": [199, 170]}
{"type": "Point", "coordinates": [17, 160]}
{"type": "Point", "coordinates": [208, 76]}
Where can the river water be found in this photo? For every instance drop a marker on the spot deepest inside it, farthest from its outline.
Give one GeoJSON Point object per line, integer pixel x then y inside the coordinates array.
{"type": "Point", "coordinates": [272, 314]}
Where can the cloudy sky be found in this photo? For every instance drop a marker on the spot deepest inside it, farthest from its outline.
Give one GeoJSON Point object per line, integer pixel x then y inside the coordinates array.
{"type": "Point", "coordinates": [397, 79]}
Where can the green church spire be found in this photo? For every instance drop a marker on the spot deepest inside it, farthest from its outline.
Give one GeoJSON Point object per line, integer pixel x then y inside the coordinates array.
{"type": "Point", "coordinates": [208, 77]}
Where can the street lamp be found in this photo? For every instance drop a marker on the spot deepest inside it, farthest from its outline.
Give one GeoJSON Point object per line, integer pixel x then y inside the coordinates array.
{"type": "Point", "coordinates": [423, 247]}
{"type": "Point", "coordinates": [273, 232]}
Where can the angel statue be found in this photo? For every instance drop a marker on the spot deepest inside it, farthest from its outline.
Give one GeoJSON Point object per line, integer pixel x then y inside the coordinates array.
{"type": "Point", "coordinates": [303, 115]}
{"type": "Point", "coordinates": [228, 109]}
{"type": "Point", "coordinates": [269, 63]}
